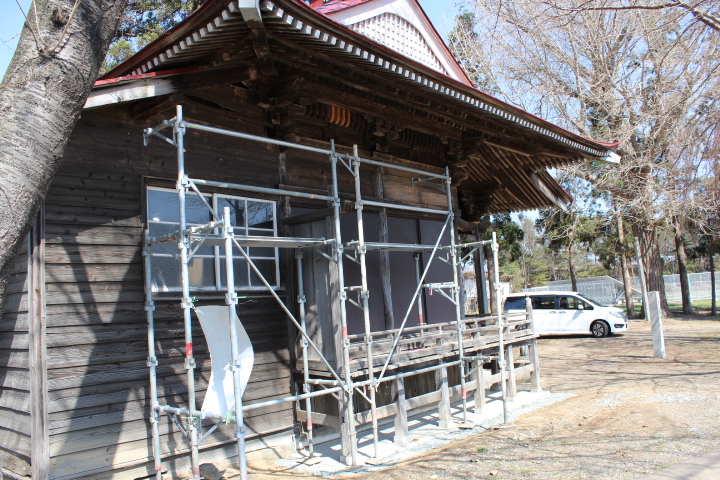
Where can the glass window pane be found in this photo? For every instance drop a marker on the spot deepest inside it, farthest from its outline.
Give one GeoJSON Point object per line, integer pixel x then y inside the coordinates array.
{"type": "Point", "coordinates": [568, 303]}
{"type": "Point", "coordinates": [202, 272]}
{"type": "Point", "coordinates": [195, 211]}
{"type": "Point", "coordinates": [516, 303]}
{"type": "Point", "coordinates": [267, 268]}
{"type": "Point", "coordinates": [260, 214]}
{"type": "Point", "coordinates": [163, 206]}
{"type": "Point", "coordinates": [240, 231]}
{"type": "Point", "coordinates": [237, 209]}
{"type": "Point", "coordinates": [204, 250]}
{"type": "Point", "coordinates": [240, 270]}
{"type": "Point", "coordinates": [543, 303]}
{"type": "Point", "coordinates": [160, 229]}
{"type": "Point", "coordinates": [165, 273]}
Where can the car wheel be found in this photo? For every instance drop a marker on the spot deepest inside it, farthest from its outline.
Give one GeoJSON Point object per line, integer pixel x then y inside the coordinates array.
{"type": "Point", "coordinates": [599, 329]}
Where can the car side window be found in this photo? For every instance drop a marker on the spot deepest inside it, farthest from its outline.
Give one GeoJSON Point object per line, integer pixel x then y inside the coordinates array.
{"type": "Point", "coordinates": [569, 303]}
{"type": "Point", "coordinates": [543, 302]}
{"type": "Point", "coordinates": [584, 305]}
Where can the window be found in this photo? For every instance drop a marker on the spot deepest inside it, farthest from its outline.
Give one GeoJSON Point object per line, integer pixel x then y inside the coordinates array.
{"type": "Point", "coordinates": [543, 303]}
{"type": "Point", "coordinates": [250, 217]}
{"type": "Point", "coordinates": [514, 303]}
{"type": "Point", "coordinates": [573, 303]}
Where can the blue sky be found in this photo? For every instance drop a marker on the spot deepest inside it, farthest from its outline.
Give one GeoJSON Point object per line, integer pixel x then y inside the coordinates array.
{"type": "Point", "coordinates": [440, 13]}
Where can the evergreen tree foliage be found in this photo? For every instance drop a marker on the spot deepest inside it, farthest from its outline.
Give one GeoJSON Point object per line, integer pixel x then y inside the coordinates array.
{"type": "Point", "coordinates": [143, 22]}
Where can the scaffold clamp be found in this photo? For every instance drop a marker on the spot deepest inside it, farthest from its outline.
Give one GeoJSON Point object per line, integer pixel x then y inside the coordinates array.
{"type": "Point", "coordinates": [231, 298]}
{"type": "Point", "coordinates": [184, 182]}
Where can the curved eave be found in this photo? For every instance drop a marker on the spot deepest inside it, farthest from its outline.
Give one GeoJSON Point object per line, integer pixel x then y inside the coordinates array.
{"type": "Point", "coordinates": [304, 21]}
{"type": "Point", "coordinates": [218, 22]}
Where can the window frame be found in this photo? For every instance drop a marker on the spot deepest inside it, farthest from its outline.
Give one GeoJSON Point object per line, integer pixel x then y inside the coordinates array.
{"type": "Point", "coordinates": [218, 252]}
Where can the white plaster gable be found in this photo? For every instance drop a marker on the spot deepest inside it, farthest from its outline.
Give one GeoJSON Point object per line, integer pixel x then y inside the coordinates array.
{"type": "Point", "coordinates": [402, 26]}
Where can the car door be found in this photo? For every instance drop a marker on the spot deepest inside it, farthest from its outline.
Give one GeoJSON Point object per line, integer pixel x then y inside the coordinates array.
{"type": "Point", "coordinates": [574, 314]}
{"type": "Point", "coordinates": [544, 314]}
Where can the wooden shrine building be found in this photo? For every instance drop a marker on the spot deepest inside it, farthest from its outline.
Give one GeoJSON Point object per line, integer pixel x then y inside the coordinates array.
{"type": "Point", "coordinates": [347, 122]}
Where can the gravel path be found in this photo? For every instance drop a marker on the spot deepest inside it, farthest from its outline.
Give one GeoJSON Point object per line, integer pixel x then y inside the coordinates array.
{"type": "Point", "coordinates": [627, 414]}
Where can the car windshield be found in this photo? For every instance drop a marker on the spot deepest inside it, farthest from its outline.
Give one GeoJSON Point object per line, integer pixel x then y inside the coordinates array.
{"type": "Point", "coordinates": [591, 300]}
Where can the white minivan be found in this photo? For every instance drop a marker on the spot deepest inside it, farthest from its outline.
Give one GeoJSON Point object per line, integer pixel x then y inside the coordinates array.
{"type": "Point", "coordinates": [568, 313]}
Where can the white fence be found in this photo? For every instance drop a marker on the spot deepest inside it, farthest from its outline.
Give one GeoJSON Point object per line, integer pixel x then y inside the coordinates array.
{"type": "Point", "coordinates": [610, 291]}
{"type": "Point", "coordinates": [700, 286]}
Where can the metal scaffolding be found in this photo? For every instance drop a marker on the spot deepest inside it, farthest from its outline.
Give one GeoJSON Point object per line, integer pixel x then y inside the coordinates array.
{"type": "Point", "coordinates": [219, 232]}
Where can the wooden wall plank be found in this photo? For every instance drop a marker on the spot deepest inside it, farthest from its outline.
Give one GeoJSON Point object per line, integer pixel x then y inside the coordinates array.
{"type": "Point", "coordinates": [14, 375]}
{"type": "Point", "coordinates": [12, 463]}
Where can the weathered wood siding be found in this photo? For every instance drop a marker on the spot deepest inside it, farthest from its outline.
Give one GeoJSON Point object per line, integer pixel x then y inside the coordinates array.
{"type": "Point", "coordinates": [15, 372]}
{"type": "Point", "coordinates": [96, 325]}
{"type": "Point", "coordinates": [95, 320]}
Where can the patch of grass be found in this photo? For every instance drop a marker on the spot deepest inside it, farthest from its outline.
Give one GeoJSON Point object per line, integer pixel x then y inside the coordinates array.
{"type": "Point", "coordinates": [481, 449]}
{"type": "Point", "coordinates": [700, 306]}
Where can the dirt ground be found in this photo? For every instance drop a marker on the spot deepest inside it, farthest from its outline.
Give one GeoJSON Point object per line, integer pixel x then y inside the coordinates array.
{"type": "Point", "coordinates": [630, 413]}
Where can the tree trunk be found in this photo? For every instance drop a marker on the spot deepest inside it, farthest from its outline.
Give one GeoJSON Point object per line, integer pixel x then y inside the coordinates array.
{"type": "Point", "coordinates": [41, 97]}
{"type": "Point", "coordinates": [687, 307]}
{"type": "Point", "coordinates": [553, 267]}
{"type": "Point", "coordinates": [627, 282]}
{"type": "Point", "coordinates": [652, 262]}
{"type": "Point", "coordinates": [713, 295]}
{"type": "Point", "coordinates": [571, 267]}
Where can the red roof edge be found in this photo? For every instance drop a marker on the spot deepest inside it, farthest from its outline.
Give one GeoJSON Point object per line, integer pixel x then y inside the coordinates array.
{"type": "Point", "coordinates": [560, 187]}
{"type": "Point", "coordinates": [127, 78]}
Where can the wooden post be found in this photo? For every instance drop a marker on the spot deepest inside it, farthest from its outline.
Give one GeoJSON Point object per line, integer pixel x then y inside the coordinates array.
{"type": "Point", "coordinates": [535, 360]}
{"type": "Point", "coordinates": [479, 396]}
{"type": "Point", "coordinates": [384, 255]}
{"type": "Point", "coordinates": [532, 353]}
{"type": "Point", "coordinates": [441, 380]}
{"type": "Point", "coordinates": [402, 435]}
{"type": "Point", "coordinates": [510, 362]}
{"type": "Point", "coordinates": [39, 430]}
{"type": "Point", "coordinates": [347, 441]}
{"type": "Point", "coordinates": [480, 280]}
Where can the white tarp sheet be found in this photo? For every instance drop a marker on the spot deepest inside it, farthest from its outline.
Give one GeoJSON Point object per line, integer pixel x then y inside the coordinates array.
{"type": "Point", "coordinates": [215, 323]}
